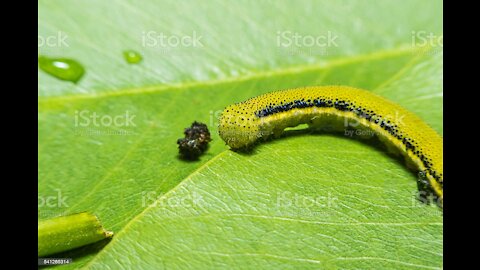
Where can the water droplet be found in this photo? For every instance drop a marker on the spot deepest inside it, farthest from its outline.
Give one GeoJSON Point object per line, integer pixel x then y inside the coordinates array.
{"type": "Point", "coordinates": [132, 57]}
{"type": "Point", "coordinates": [61, 68]}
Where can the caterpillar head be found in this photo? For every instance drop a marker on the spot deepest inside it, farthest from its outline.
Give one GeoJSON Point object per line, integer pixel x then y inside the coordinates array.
{"type": "Point", "coordinates": [238, 126]}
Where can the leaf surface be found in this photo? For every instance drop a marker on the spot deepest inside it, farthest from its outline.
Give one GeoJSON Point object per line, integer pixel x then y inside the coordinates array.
{"type": "Point", "coordinates": [303, 201]}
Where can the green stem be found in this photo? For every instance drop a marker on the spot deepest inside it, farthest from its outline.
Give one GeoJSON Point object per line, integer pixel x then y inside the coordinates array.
{"type": "Point", "coordinates": [68, 232]}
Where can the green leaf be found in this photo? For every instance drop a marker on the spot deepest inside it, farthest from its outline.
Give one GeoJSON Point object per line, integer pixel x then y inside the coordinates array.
{"type": "Point", "coordinates": [303, 201]}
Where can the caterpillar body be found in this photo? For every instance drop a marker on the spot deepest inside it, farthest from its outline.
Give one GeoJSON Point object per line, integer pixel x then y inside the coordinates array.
{"type": "Point", "coordinates": [242, 124]}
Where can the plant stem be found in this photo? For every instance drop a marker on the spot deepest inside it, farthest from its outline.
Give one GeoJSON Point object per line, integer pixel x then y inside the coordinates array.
{"type": "Point", "coordinates": [68, 232]}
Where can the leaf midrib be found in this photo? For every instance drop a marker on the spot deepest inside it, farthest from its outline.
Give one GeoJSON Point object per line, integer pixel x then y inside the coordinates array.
{"type": "Point", "coordinates": [165, 195]}
{"type": "Point", "coordinates": [382, 54]}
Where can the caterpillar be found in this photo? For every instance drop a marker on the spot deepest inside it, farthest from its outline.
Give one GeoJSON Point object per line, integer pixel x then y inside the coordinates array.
{"type": "Point", "coordinates": [242, 124]}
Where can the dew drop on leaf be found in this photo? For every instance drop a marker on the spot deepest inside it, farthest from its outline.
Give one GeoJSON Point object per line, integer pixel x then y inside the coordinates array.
{"type": "Point", "coordinates": [132, 57]}
{"type": "Point", "coordinates": [62, 68]}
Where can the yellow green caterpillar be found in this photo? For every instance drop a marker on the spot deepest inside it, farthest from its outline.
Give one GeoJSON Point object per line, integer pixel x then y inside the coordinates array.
{"type": "Point", "coordinates": [242, 124]}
